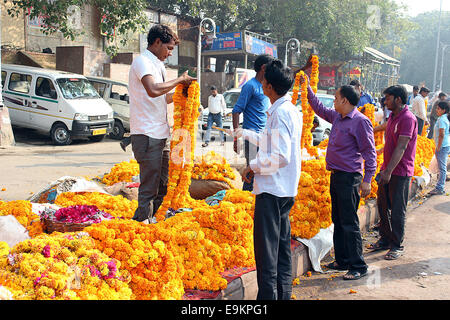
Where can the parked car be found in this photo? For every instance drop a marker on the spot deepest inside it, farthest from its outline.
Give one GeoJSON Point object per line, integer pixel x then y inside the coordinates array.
{"type": "Point", "coordinates": [64, 105]}
{"type": "Point", "coordinates": [116, 94]}
{"type": "Point", "coordinates": [231, 96]}
{"type": "Point", "coordinates": [323, 130]}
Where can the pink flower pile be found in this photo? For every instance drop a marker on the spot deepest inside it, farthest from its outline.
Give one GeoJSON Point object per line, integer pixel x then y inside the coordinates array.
{"type": "Point", "coordinates": [81, 214]}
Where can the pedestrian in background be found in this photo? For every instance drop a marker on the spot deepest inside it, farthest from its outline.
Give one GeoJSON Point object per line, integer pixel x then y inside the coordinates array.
{"type": "Point", "coordinates": [217, 109]}
{"type": "Point", "coordinates": [364, 97]}
{"type": "Point", "coordinates": [419, 109]}
{"type": "Point", "coordinates": [441, 137]}
{"type": "Point", "coordinates": [396, 172]}
{"type": "Point", "coordinates": [413, 95]}
{"type": "Point", "coordinates": [433, 116]}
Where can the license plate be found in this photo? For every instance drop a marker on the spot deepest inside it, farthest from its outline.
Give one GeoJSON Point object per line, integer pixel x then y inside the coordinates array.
{"type": "Point", "coordinates": [99, 131]}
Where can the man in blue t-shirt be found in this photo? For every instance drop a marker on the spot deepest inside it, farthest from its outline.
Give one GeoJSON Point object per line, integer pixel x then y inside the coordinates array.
{"type": "Point", "coordinates": [365, 97]}
{"type": "Point", "coordinates": [253, 104]}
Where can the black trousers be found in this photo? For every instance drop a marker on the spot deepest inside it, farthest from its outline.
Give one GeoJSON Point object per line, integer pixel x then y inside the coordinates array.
{"type": "Point", "coordinates": [250, 151]}
{"type": "Point", "coordinates": [392, 200]}
{"type": "Point", "coordinates": [347, 240]}
{"type": "Point", "coordinates": [272, 244]}
{"type": "Point", "coordinates": [153, 158]}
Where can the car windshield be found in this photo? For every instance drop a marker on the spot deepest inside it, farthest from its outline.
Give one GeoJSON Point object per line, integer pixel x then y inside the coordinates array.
{"type": "Point", "coordinates": [231, 98]}
{"type": "Point", "coordinates": [77, 88]}
{"type": "Point", "coordinates": [327, 102]}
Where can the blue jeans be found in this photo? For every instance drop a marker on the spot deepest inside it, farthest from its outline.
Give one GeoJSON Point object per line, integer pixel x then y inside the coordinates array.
{"type": "Point", "coordinates": [213, 118]}
{"type": "Point", "coordinates": [441, 157]}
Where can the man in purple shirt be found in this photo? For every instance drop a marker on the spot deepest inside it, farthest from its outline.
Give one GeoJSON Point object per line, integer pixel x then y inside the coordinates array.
{"type": "Point", "coordinates": [396, 172]}
{"type": "Point", "coordinates": [351, 151]}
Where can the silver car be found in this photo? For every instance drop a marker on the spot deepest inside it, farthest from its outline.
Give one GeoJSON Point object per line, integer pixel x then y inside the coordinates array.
{"type": "Point", "coordinates": [115, 92]}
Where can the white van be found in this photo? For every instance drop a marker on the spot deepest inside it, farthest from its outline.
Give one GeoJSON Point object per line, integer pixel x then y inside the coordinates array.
{"type": "Point", "coordinates": [63, 104]}
{"type": "Point", "coordinates": [115, 92]}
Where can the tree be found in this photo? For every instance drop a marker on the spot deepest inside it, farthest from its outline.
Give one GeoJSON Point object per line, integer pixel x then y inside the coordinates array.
{"type": "Point", "coordinates": [119, 17]}
{"type": "Point", "coordinates": [418, 54]}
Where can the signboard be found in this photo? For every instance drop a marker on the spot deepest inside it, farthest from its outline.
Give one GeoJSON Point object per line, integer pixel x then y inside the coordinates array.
{"type": "Point", "coordinates": [229, 41]}
{"type": "Point", "coordinates": [258, 46]}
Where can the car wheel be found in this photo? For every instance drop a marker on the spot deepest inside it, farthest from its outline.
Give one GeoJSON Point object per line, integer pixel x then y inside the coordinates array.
{"type": "Point", "coordinates": [61, 135]}
{"type": "Point", "coordinates": [118, 130]}
{"type": "Point", "coordinates": [97, 138]}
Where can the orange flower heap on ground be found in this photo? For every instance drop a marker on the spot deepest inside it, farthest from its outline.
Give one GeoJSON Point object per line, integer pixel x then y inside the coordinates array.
{"type": "Point", "coordinates": [117, 206]}
{"type": "Point", "coordinates": [122, 172]}
{"type": "Point", "coordinates": [213, 166]}
{"type": "Point", "coordinates": [63, 266]}
{"type": "Point", "coordinates": [21, 210]}
{"type": "Point", "coordinates": [424, 153]}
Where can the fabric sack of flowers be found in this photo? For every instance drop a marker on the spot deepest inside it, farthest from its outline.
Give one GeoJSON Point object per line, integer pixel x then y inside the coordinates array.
{"type": "Point", "coordinates": [202, 189]}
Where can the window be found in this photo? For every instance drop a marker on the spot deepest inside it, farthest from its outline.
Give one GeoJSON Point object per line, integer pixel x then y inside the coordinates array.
{"type": "Point", "coordinates": [3, 78]}
{"type": "Point", "coordinates": [119, 92]}
{"type": "Point", "coordinates": [100, 87]}
{"type": "Point", "coordinates": [77, 88]}
{"type": "Point", "coordinates": [45, 88]}
{"type": "Point", "coordinates": [20, 82]}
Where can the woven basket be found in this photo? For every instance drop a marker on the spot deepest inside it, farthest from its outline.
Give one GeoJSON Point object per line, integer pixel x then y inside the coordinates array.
{"type": "Point", "coordinates": [51, 226]}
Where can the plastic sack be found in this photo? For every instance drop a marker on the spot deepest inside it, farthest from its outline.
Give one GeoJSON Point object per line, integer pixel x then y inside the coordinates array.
{"type": "Point", "coordinates": [319, 246]}
{"type": "Point", "coordinates": [11, 231]}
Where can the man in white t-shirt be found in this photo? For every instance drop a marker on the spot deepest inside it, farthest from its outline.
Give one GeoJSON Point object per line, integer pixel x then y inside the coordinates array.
{"type": "Point", "coordinates": [419, 109]}
{"type": "Point", "coordinates": [149, 128]}
{"type": "Point", "coordinates": [217, 109]}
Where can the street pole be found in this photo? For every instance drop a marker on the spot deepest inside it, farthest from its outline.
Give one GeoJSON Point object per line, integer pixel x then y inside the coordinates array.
{"type": "Point", "coordinates": [444, 46]}
{"type": "Point", "coordinates": [199, 49]}
{"type": "Point", "coordinates": [437, 48]}
{"type": "Point", "coordinates": [295, 44]}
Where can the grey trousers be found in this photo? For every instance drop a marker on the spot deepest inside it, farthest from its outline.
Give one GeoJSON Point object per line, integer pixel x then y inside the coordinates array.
{"type": "Point", "coordinates": [153, 158]}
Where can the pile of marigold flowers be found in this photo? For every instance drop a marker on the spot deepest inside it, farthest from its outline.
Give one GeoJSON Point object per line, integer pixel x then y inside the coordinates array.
{"type": "Point", "coordinates": [22, 211]}
{"type": "Point", "coordinates": [122, 172]}
{"type": "Point", "coordinates": [62, 266]}
{"type": "Point", "coordinates": [212, 166]}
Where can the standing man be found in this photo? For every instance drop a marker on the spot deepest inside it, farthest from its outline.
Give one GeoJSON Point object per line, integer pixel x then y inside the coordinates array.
{"type": "Point", "coordinates": [351, 149]}
{"type": "Point", "coordinates": [396, 172]}
{"type": "Point", "coordinates": [413, 95]}
{"type": "Point", "coordinates": [276, 171]}
{"type": "Point", "coordinates": [364, 97]}
{"type": "Point", "coordinates": [253, 104]}
{"type": "Point", "coordinates": [217, 109]}
{"type": "Point", "coordinates": [433, 116]}
{"type": "Point", "coordinates": [419, 110]}
{"type": "Point", "coordinates": [149, 96]}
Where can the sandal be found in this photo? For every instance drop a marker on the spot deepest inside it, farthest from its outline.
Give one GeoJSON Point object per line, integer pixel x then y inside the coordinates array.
{"type": "Point", "coordinates": [333, 265]}
{"type": "Point", "coordinates": [355, 275]}
{"type": "Point", "coordinates": [393, 254]}
{"type": "Point", "coordinates": [378, 246]}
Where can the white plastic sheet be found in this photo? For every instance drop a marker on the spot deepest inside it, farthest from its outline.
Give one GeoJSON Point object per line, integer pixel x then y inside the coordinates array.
{"type": "Point", "coordinates": [319, 246]}
{"type": "Point", "coordinates": [11, 231]}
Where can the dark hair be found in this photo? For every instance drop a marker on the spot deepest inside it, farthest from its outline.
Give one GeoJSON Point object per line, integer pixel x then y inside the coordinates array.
{"type": "Point", "coordinates": [442, 94]}
{"type": "Point", "coordinates": [349, 92]}
{"type": "Point", "coordinates": [416, 88]}
{"type": "Point", "coordinates": [397, 91]}
{"type": "Point", "coordinates": [213, 88]}
{"type": "Point", "coordinates": [279, 76]}
{"type": "Point", "coordinates": [355, 83]}
{"type": "Point", "coordinates": [261, 60]}
{"type": "Point", "coordinates": [444, 105]}
{"type": "Point", "coordinates": [163, 32]}
{"type": "Point", "coordinates": [424, 89]}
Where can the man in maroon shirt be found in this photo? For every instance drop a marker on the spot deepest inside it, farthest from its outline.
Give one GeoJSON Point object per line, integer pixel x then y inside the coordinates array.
{"type": "Point", "coordinates": [350, 153]}
{"type": "Point", "coordinates": [396, 172]}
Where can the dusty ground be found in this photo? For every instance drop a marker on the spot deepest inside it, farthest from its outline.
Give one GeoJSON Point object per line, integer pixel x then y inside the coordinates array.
{"type": "Point", "coordinates": [422, 273]}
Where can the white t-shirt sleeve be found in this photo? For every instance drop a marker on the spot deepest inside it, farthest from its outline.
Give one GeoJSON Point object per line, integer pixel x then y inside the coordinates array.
{"type": "Point", "coordinates": [143, 68]}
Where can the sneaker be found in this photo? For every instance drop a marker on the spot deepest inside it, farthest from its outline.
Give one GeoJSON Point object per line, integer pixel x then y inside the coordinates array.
{"type": "Point", "coordinates": [123, 146]}
{"type": "Point", "coordinates": [205, 144]}
{"type": "Point", "coordinates": [436, 192]}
